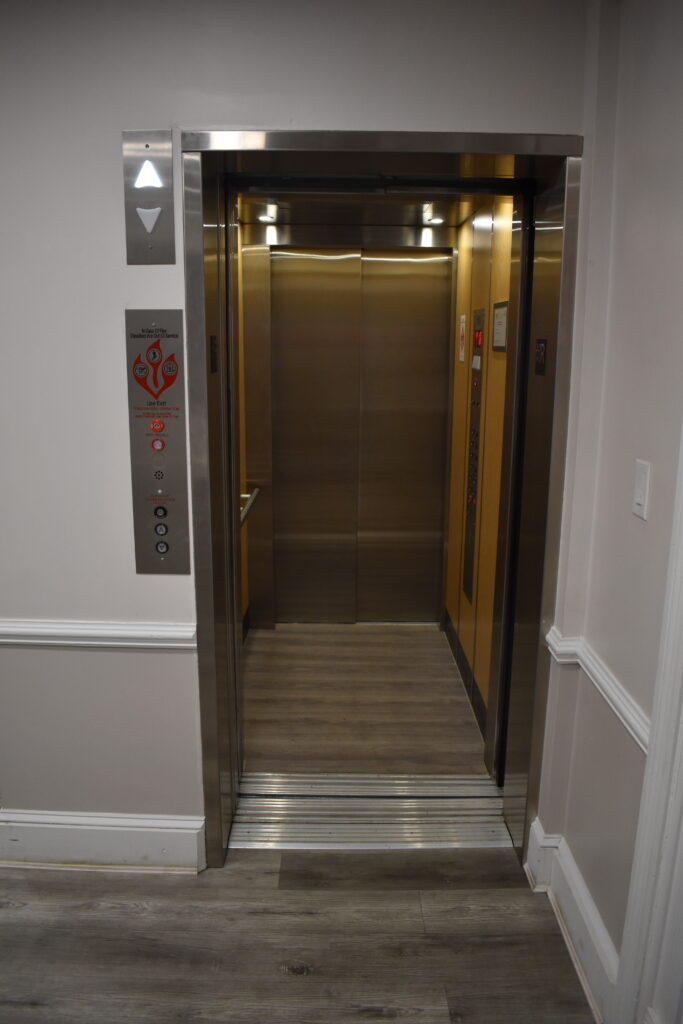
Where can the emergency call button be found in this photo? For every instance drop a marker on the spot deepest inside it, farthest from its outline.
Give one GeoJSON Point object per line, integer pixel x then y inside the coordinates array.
{"type": "Point", "coordinates": [158, 444]}
{"type": "Point", "coordinates": [157, 426]}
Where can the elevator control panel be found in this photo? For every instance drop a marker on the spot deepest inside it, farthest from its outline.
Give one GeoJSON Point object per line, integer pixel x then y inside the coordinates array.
{"type": "Point", "coordinates": [158, 450]}
{"type": "Point", "coordinates": [476, 379]}
{"type": "Point", "coordinates": [148, 197]}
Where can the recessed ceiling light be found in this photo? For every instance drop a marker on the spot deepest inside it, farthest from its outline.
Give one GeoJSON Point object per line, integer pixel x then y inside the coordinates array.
{"type": "Point", "coordinates": [428, 215]}
{"type": "Point", "coordinates": [270, 216]}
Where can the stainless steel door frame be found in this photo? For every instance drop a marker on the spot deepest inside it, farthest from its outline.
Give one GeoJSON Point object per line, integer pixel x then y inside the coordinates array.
{"type": "Point", "coordinates": [215, 494]}
{"type": "Point", "coordinates": [203, 153]}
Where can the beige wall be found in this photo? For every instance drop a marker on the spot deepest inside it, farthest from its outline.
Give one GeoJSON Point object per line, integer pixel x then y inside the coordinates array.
{"type": "Point", "coordinates": [72, 77]}
{"type": "Point", "coordinates": [627, 368]}
{"type": "Point", "coordinates": [113, 731]}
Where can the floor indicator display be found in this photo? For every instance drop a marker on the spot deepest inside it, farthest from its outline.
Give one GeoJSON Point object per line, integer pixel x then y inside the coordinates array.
{"type": "Point", "coordinates": [158, 452]}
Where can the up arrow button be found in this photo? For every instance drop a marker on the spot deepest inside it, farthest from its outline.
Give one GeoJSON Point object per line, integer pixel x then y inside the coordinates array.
{"type": "Point", "coordinates": [148, 177]}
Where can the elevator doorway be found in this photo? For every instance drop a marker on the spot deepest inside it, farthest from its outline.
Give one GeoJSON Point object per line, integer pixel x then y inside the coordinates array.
{"type": "Point", "coordinates": [205, 183]}
{"type": "Point", "coordinates": [352, 673]}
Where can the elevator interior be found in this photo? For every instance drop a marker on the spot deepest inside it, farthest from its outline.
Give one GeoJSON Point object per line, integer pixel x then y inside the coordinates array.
{"type": "Point", "coordinates": [401, 469]}
{"type": "Point", "coordinates": [346, 358]}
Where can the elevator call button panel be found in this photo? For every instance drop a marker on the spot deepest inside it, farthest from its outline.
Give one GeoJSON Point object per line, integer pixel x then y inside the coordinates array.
{"type": "Point", "coordinates": [158, 450]}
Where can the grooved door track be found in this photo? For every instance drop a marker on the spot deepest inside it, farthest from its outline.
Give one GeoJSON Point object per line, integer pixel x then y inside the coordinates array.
{"type": "Point", "coordinates": [367, 812]}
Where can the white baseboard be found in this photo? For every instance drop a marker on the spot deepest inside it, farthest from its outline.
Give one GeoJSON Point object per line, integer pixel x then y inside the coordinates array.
{"type": "Point", "coordinates": [540, 856]}
{"type": "Point", "coordinates": [552, 869]}
{"type": "Point", "coordinates": [132, 841]}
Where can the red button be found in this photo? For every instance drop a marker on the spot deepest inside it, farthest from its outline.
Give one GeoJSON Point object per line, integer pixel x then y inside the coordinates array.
{"type": "Point", "coordinates": [157, 426]}
{"type": "Point", "coordinates": [158, 444]}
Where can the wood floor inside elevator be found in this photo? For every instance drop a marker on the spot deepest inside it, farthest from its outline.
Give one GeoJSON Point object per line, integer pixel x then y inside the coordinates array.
{"type": "Point", "coordinates": [382, 699]}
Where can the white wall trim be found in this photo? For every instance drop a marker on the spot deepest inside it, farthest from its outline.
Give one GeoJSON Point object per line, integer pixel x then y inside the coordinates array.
{"type": "Point", "coordinates": [88, 633]}
{"type": "Point", "coordinates": [660, 824]}
{"type": "Point", "coordinates": [541, 853]}
{"type": "Point", "coordinates": [551, 865]}
{"type": "Point", "coordinates": [576, 650]}
{"type": "Point", "coordinates": [62, 839]}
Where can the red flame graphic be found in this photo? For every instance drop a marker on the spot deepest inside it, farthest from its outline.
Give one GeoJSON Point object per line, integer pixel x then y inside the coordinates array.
{"type": "Point", "coordinates": [154, 360]}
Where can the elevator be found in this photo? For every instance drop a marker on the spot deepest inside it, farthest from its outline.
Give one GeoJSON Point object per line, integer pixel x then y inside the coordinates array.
{"type": "Point", "coordinates": [368, 389]}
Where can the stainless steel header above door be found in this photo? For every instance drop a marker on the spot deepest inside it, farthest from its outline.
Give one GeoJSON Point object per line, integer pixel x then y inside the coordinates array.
{"type": "Point", "coordinates": [207, 140]}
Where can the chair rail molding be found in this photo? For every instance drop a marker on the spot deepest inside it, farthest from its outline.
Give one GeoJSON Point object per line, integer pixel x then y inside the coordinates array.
{"type": "Point", "coordinates": [576, 650]}
{"type": "Point", "coordinates": [100, 634]}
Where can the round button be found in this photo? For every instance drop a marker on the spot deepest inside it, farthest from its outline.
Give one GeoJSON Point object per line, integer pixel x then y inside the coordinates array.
{"type": "Point", "coordinates": [158, 444]}
{"type": "Point", "coordinates": [157, 426]}
{"type": "Point", "coordinates": [162, 547]}
{"type": "Point", "coordinates": [161, 529]}
{"type": "Point", "coordinates": [161, 511]}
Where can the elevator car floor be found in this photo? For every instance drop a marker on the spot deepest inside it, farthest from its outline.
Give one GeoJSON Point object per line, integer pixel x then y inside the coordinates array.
{"type": "Point", "coordinates": [434, 937]}
{"type": "Point", "coordinates": [356, 698]}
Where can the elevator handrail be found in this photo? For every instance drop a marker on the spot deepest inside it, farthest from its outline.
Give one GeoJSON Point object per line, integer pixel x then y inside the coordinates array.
{"type": "Point", "coordinates": [249, 500]}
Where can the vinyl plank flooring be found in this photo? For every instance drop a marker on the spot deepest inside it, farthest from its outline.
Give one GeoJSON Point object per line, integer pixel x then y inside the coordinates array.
{"type": "Point", "coordinates": [479, 912]}
{"type": "Point", "coordinates": [431, 937]}
{"type": "Point", "coordinates": [364, 698]}
{"type": "Point", "coordinates": [399, 869]}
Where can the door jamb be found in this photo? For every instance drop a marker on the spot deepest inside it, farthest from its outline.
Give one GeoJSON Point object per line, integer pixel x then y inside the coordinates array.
{"type": "Point", "coordinates": [215, 662]}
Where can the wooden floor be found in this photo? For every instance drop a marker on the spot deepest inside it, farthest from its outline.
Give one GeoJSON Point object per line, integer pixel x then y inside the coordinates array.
{"type": "Point", "coordinates": [363, 698]}
{"type": "Point", "coordinates": [435, 937]}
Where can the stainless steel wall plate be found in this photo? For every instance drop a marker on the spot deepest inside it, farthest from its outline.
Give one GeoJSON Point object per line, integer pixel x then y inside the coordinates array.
{"type": "Point", "coordinates": [148, 194]}
{"type": "Point", "coordinates": [158, 450]}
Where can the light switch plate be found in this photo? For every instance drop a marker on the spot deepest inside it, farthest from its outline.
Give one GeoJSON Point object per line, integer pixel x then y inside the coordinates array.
{"type": "Point", "coordinates": [641, 489]}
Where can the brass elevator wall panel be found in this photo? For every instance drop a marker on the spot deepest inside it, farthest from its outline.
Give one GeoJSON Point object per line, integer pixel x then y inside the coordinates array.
{"type": "Point", "coordinates": [404, 363]}
{"type": "Point", "coordinates": [492, 449]}
{"type": "Point", "coordinates": [482, 237]}
{"type": "Point", "coordinates": [315, 310]}
{"type": "Point", "coordinates": [460, 413]}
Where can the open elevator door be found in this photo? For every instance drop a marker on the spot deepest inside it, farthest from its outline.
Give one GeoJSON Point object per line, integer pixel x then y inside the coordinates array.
{"type": "Point", "coordinates": [215, 490]}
